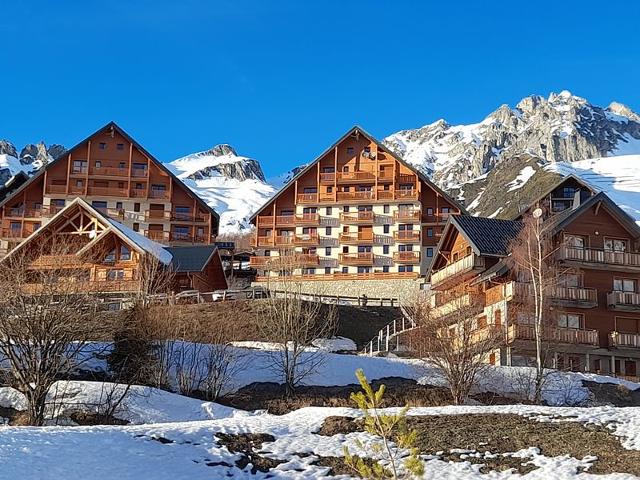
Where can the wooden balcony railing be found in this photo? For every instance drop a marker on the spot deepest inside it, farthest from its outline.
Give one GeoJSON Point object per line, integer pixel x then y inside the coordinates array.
{"type": "Point", "coordinates": [21, 212]}
{"type": "Point", "coordinates": [107, 191]}
{"type": "Point", "coordinates": [110, 171]}
{"type": "Point", "coordinates": [365, 258]}
{"type": "Point", "coordinates": [157, 215]}
{"type": "Point", "coordinates": [602, 257]}
{"type": "Point", "coordinates": [307, 198]}
{"type": "Point", "coordinates": [186, 237]}
{"type": "Point", "coordinates": [327, 178]}
{"type": "Point", "coordinates": [406, 257]}
{"type": "Point", "coordinates": [469, 303]}
{"type": "Point", "coordinates": [344, 276]}
{"type": "Point", "coordinates": [355, 238]}
{"type": "Point", "coordinates": [405, 215]}
{"type": "Point", "coordinates": [625, 301]}
{"type": "Point", "coordinates": [406, 194]}
{"type": "Point", "coordinates": [407, 235]}
{"type": "Point", "coordinates": [56, 188]}
{"type": "Point", "coordinates": [76, 189]}
{"type": "Point", "coordinates": [79, 170]}
{"type": "Point", "coordinates": [307, 219]}
{"type": "Point", "coordinates": [14, 233]}
{"type": "Point", "coordinates": [345, 177]}
{"type": "Point", "coordinates": [356, 196]}
{"type": "Point", "coordinates": [157, 235]}
{"type": "Point", "coordinates": [577, 296]}
{"type": "Point", "coordinates": [51, 210]}
{"type": "Point", "coordinates": [139, 172]}
{"type": "Point", "coordinates": [188, 217]}
{"type": "Point", "coordinates": [624, 340]}
{"type": "Point", "coordinates": [307, 239]}
{"type": "Point", "coordinates": [265, 241]}
{"type": "Point", "coordinates": [157, 193]}
{"type": "Point", "coordinates": [357, 217]}
{"type": "Point", "coordinates": [560, 335]}
{"type": "Point", "coordinates": [407, 178]}
{"type": "Point", "coordinates": [138, 192]}
{"type": "Point", "coordinates": [464, 265]}
{"type": "Point", "coordinates": [385, 195]}
{"type": "Point", "coordinates": [288, 261]}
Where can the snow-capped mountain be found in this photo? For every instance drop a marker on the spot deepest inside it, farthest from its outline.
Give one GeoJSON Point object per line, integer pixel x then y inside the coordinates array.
{"type": "Point", "coordinates": [235, 186]}
{"type": "Point", "coordinates": [561, 127]}
{"type": "Point", "coordinates": [29, 160]}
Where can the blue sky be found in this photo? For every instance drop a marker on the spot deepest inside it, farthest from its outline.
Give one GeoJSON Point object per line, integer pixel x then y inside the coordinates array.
{"type": "Point", "coordinates": [282, 80]}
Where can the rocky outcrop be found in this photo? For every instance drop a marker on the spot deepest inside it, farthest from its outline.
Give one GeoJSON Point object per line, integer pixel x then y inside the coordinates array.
{"type": "Point", "coordinates": [221, 160]}
{"type": "Point", "coordinates": [562, 127]}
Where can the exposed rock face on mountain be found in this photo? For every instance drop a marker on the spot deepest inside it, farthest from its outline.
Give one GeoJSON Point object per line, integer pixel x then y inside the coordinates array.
{"type": "Point", "coordinates": [30, 159]}
{"type": "Point", "coordinates": [562, 127]}
{"type": "Point", "coordinates": [221, 160]}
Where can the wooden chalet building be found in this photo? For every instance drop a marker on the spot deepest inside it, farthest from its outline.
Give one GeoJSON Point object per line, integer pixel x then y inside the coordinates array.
{"type": "Point", "coordinates": [118, 177]}
{"type": "Point", "coordinates": [596, 299]}
{"type": "Point", "coordinates": [356, 212]}
{"type": "Point", "coordinates": [85, 250]}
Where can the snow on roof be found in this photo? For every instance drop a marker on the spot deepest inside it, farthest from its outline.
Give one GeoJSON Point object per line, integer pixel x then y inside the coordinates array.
{"type": "Point", "coordinates": [143, 242]}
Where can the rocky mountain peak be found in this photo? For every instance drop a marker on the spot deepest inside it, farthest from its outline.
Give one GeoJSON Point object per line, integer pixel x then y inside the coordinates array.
{"type": "Point", "coordinates": [624, 111]}
{"type": "Point", "coordinates": [7, 148]}
{"type": "Point", "coordinates": [221, 150]}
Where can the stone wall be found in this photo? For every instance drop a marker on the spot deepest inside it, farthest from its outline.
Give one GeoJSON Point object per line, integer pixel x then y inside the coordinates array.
{"type": "Point", "coordinates": [397, 288]}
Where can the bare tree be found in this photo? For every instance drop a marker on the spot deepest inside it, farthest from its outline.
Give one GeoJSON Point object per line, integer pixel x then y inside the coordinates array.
{"type": "Point", "coordinates": [292, 322]}
{"type": "Point", "coordinates": [454, 338]}
{"type": "Point", "coordinates": [538, 274]}
{"type": "Point", "coordinates": [48, 319]}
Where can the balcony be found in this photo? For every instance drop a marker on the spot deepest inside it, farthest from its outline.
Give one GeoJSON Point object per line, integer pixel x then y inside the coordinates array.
{"type": "Point", "coordinates": [188, 217]}
{"type": "Point", "coordinates": [356, 177]}
{"type": "Point", "coordinates": [51, 210]}
{"type": "Point", "coordinates": [364, 258]}
{"type": "Point", "coordinates": [14, 233]}
{"type": "Point", "coordinates": [139, 172]}
{"type": "Point", "coordinates": [577, 297]}
{"type": "Point", "coordinates": [157, 215]}
{"type": "Point", "coordinates": [56, 188]}
{"type": "Point", "coordinates": [79, 170]}
{"type": "Point", "coordinates": [307, 198]}
{"type": "Point", "coordinates": [623, 301]}
{"type": "Point", "coordinates": [138, 192]}
{"type": "Point", "coordinates": [186, 237]}
{"type": "Point", "coordinates": [265, 241]}
{"type": "Point", "coordinates": [364, 217]}
{"type": "Point", "coordinates": [462, 269]}
{"type": "Point", "coordinates": [601, 259]}
{"type": "Point", "coordinates": [407, 178]}
{"type": "Point", "coordinates": [288, 261]}
{"type": "Point", "coordinates": [407, 236]}
{"type": "Point", "coordinates": [467, 305]}
{"type": "Point", "coordinates": [307, 240]}
{"type": "Point", "coordinates": [157, 235]}
{"type": "Point", "coordinates": [20, 212]}
{"type": "Point", "coordinates": [284, 240]}
{"type": "Point", "coordinates": [407, 194]}
{"type": "Point", "coordinates": [327, 178]}
{"type": "Point", "coordinates": [107, 191]}
{"type": "Point", "coordinates": [624, 340]}
{"type": "Point", "coordinates": [572, 336]}
{"type": "Point", "coordinates": [110, 171]}
{"type": "Point", "coordinates": [356, 238]}
{"type": "Point", "coordinates": [312, 219]}
{"type": "Point", "coordinates": [357, 196]}
{"type": "Point", "coordinates": [158, 193]}
{"type": "Point", "coordinates": [407, 215]}
{"type": "Point", "coordinates": [406, 257]}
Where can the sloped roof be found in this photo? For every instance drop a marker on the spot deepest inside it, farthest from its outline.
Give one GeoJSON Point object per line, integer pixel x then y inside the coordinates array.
{"type": "Point", "coordinates": [191, 258]}
{"type": "Point", "coordinates": [130, 139]}
{"type": "Point", "coordinates": [489, 236]}
{"type": "Point", "coordinates": [357, 128]}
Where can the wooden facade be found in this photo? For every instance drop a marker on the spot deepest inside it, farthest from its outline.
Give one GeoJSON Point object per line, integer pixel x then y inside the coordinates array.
{"type": "Point", "coordinates": [357, 211]}
{"type": "Point", "coordinates": [117, 176]}
{"type": "Point", "coordinates": [596, 301]}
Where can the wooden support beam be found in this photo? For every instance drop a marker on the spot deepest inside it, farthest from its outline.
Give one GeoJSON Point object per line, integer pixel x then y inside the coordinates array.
{"type": "Point", "coordinates": [86, 177]}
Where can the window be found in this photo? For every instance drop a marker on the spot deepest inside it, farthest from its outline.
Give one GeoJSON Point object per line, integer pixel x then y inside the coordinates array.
{"type": "Point", "coordinates": [158, 187]}
{"type": "Point", "coordinates": [327, 251]}
{"type": "Point", "coordinates": [429, 252]}
{"type": "Point", "coordinates": [120, 146]}
{"type": "Point", "coordinates": [575, 241]}
{"type": "Point", "coordinates": [139, 186]}
{"type": "Point", "coordinates": [136, 207]}
{"type": "Point", "coordinates": [110, 257]}
{"type": "Point", "coordinates": [624, 285]}
{"type": "Point", "coordinates": [345, 209]}
{"type": "Point", "coordinates": [125, 253]}
{"type": "Point", "coordinates": [329, 211]}
{"type": "Point", "coordinates": [615, 245]}
{"type": "Point", "coordinates": [99, 204]}
{"type": "Point", "coordinates": [405, 268]}
{"type": "Point", "coordinates": [119, 205]}
{"type": "Point", "coordinates": [122, 165]}
{"type": "Point", "coordinates": [327, 270]}
{"type": "Point", "coordinates": [98, 164]}
{"type": "Point", "coordinates": [267, 253]}
{"type": "Point", "coordinates": [58, 202]}
{"type": "Point", "coordinates": [385, 268]}
{"type": "Point", "coordinates": [525, 318]}
{"type": "Point", "coordinates": [497, 318]}
{"type": "Point", "coordinates": [364, 249]}
{"type": "Point", "coordinates": [386, 208]}
{"type": "Point", "coordinates": [140, 166]}
{"type": "Point", "coordinates": [345, 269]}
{"type": "Point", "coordinates": [310, 210]}
{"type": "Point", "coordinates": [568, 192]}
{"type": "Point", "coordinates": [350, 150]}
{"type": "Point", "coordinates": [308, 271]}
{"type": "Point", "coordinates": [570, 280]}
{"type": "Point", "coordinates": [329, 189]}
{"type": "Point", "coordinates": [136, 227]}
{"type": "Point", "coordinates": [367, 149]}
{"type": "Point", "coordinates": [405, 248]}
{"type": "Point", "coordinates": [79, 183]}
{"type": "Point", "coordinates": [115, 274]}
{"type": "Point", "coordinates": [364, 269]}
{"type": "Point", "coordinates": [345, 249]}
{"type": "Point", "coordinates": [385, 249]}
{"type": "Point", "coordinates": [429, 232]}
{"type": "Point", "coordinates": [103, 146]}
{"type": "Point", "coordinates": [345, 169]}
{"type": "Point", "coordinates": [570, 320]}
{"type": "Point", "coordinates": [386, 228]}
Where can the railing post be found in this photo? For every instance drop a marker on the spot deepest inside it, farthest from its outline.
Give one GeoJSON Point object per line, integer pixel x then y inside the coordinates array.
{"type": "Point", "coordinates": [387, 340]}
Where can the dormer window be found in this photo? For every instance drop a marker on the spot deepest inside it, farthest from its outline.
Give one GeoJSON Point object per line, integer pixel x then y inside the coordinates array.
{"type": "Point", "coordinates": [103, 146]}
{"type": "Point", "coordinates": [125, 252]}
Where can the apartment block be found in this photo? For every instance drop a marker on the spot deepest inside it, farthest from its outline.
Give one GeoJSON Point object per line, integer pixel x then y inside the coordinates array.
{"type": "Point", "coordinates": [356, 212]}
{"type": "Point", "coordinates": [118, 177]}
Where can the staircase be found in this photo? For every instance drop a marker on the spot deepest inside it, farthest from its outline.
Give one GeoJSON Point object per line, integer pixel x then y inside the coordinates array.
{"type": "Point", "coordinates": [383, 342]}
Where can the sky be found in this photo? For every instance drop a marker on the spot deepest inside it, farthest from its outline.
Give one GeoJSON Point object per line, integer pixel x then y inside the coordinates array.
{"type": "Point", "coordinates": [282, 80]}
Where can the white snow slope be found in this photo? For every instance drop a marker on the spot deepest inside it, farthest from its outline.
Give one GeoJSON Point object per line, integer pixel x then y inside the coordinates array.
{"type": "Point", "coordinates": [235, 200]}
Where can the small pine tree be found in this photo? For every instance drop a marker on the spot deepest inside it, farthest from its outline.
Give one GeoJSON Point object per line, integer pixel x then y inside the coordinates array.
{"type": "Point", "coordinates": [386, 427]}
